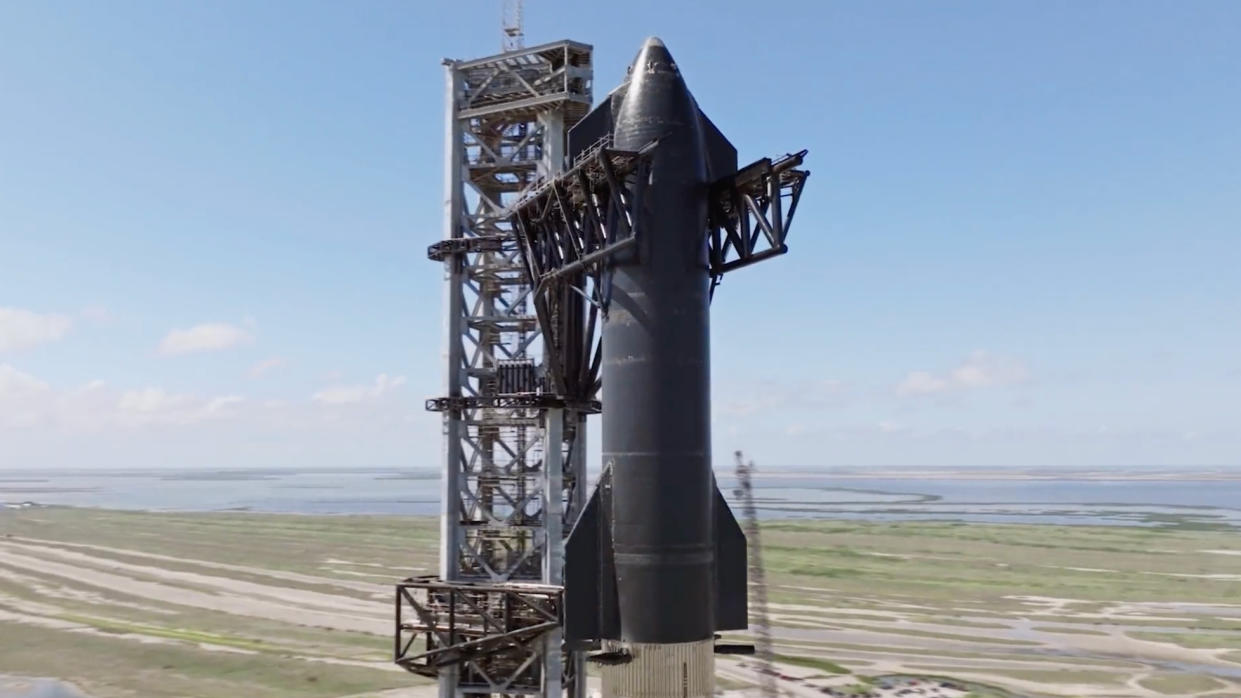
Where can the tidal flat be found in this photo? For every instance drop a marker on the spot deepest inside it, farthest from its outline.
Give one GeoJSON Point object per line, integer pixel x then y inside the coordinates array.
{"type": "Point", "coordinates": [128, 603]}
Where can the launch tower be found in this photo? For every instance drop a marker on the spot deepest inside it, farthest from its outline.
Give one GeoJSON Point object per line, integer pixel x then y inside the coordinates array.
{"type": "Point", "coordinates": [514, 451]}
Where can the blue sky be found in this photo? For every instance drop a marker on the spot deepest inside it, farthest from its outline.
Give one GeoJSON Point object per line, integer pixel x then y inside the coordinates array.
{"type": "Point", "coordinates": [1019, 245]}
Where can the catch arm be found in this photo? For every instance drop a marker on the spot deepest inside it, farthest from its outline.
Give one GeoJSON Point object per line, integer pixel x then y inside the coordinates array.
{"type": "Point", "coordinates": [751, 211]}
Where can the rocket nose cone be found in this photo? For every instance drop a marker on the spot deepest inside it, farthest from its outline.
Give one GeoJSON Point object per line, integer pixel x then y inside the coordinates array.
{"type": "Point", "coordinates": [653, 57]}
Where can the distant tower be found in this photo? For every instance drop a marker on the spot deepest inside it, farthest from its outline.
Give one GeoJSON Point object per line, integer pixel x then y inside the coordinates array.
{"type": "Point", "coordinates": [510, 23]}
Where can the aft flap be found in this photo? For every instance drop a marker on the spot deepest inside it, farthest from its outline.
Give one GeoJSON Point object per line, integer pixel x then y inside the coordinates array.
{"type": "Point", "coordinates": [591, 611]}
{"type": "Point", "coordinates": [731, 591]}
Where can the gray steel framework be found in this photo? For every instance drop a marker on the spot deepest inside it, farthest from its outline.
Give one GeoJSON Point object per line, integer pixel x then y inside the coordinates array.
{"type": "Point", "coordinates": [514, 451]}
{"type": "Point", "coordinates": [490, 632]}
{"type": "Point", "coordinates": [570, 228]}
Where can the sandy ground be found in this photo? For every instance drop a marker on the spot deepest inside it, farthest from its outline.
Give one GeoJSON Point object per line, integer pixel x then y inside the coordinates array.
{"type": "Point", "coordinates": [203, 591]}
{"type": "Point", "coordinates": [1113, 643]}
{"type": "Point", "coordinates": [377, 590]}
{"type": "Point", "coordinates": [794, 622]}
{"type": "Point", "coordinates": [26, 687]}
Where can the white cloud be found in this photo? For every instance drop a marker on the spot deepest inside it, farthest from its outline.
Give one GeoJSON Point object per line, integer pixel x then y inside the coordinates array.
{"type": "Point", "coordinates": [28, 403]}
{"type": "Point", "coordinates": [261, 368]}
{"type": "Point", "coordinates": [156, 406]}
{"type": "Point", "coordinates": [211, 336]}
{"type": "Point", "coordinates": [95, 424]}
{"type": "Point", "coordinates": [14, 382]}
{"type": "Point", "coordinates": [922, 383]}
{"type": "Point", "coordinates": [22, 398]}
{"type": "Point", "coordinates": [223, 403]}
{"type": "Point", "coordinates": [771, 396]}
{"type": "Point", "coordinates": [22, 329]}
{"type": "Point", "coordinates": [353, 394]}
{"type": "Point", "coordinates": [979, 370]}
{"type": "Point", "coordinates": [151, 401]}
{"type": "Point", "coordinates": [96, 314]}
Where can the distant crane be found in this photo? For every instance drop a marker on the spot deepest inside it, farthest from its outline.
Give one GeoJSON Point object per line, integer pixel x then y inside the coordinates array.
{"type": "Point", "coordinates": [513, 37]}
{"type": "Point", "coordinates": [763, 651]}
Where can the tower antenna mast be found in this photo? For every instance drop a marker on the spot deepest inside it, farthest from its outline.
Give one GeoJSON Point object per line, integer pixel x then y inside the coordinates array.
{"type": "Point", "coordinates": [510, 25]}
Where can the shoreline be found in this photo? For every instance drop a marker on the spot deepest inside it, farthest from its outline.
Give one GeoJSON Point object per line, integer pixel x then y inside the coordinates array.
{"type": "Point", "coordinates": [19, 476]}
{"type": "Point", "coordinates": [1086, 516]}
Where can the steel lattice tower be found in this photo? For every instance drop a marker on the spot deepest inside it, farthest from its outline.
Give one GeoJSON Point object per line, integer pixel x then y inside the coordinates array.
{"type": "Point", "coordinates": [514, 456]}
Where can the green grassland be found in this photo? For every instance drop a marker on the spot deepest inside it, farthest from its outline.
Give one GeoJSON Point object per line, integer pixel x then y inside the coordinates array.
{"type": "Point", "coordinates": [988, 563]}
{"type": "Point", "coordinates": [1015, 606]}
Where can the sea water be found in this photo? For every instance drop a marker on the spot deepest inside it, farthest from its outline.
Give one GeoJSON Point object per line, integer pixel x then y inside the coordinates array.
{"type": "Point", "coordinates": [1063, 499]}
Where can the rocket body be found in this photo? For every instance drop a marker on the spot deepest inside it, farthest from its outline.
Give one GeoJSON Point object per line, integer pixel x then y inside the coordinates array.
{"type": "Point", "coordinates": [656, 372]}
{"type": "Point", "coordinates": [655, 565]}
